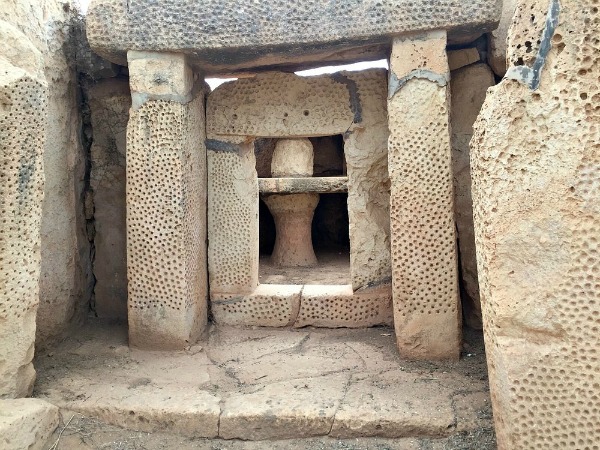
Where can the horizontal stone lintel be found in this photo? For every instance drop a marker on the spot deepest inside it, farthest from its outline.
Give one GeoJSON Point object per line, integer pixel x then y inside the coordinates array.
{"type": "Point", "coordinates": [319, 185]}
{"type": "Point", "coordinates": [222, 35]}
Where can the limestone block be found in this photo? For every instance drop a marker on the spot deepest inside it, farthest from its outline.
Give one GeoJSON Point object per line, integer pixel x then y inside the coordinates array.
{"type": "Point", "coordinates": [283, 105]}
{"type": "Point", "coordinates": [535, 165]}
{"type": "Point", "coordinates": [497, 38]}
{"type": "Point", "coordinates": [166, 225]}
{"type": "Point", "coordinates": [109, 101]}
{"type": "Point", "coordinates": [337, 306]}
{"type": "Point", "coordinates": [23, 101]}
{"type": "Point", "coordinates": [269, 305]}
{"type": "Point", "coordinates": [468, 89]}
{"type": "Point", "coordinates": [462, 57]}
{"type": "Point", "coordinates": [292, 408]}
{"type": "Point", "coordinates": [366, 150]}
{"type": "Point", "coordinates": [232, 218]}
{"type": "Point", "coordinates": [222, 36]}
{"type": "Point", "coordinates": [26, 423]}
{"type": "Point", "coordinates": [292, 158]}
{"type": "Point", "coordinates": [156, 76]}
{"type": "Point", "coordinates": [424, 271]}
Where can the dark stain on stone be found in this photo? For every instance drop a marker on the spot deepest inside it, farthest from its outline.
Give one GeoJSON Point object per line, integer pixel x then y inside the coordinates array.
{"type": "Point", "coordinates": [355, 104]}
{"type": "Point", "coordinates": [221, 146]}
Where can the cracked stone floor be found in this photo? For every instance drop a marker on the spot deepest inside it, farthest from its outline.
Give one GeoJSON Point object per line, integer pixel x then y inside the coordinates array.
{"type": "Point", "coordinates": [332, 386]}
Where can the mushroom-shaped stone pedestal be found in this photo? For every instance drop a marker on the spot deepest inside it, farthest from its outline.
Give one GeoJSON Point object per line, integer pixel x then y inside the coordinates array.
{"type": "Point", "coordinates": [293, 213]}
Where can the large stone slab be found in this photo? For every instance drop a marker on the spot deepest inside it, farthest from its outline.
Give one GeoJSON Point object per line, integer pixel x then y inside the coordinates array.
{"type": "Point", "coordinates": [220, 35]}
{"type": "Point", "coordinates": [166, 208]}
{"type": "Point", "coordinates": [535, 161]}
{"type": "Point", "coordinates": [26, 423]}
{"type": "Point", "coordinates": [424, 274]}
{"type": "Point", "coordinates": [23, 100]}
{"type": "Point", "coordinates": [468, 88]}
{"type": "Point", "coordinates": [109, 101]}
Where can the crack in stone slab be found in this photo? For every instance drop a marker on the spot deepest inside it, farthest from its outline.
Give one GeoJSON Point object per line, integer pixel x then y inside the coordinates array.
{"type": "Point", "coordinates": [531, 76]}
{"type": "Point", "coordinates": [395, 83]}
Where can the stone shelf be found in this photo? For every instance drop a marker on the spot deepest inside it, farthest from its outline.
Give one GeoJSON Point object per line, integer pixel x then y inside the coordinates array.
{"type": "Point", "coordinates": [320, 185]}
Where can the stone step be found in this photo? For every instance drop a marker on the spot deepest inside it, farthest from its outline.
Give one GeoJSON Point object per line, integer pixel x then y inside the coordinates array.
{"type": "Point", "coordinates": [256, 384]}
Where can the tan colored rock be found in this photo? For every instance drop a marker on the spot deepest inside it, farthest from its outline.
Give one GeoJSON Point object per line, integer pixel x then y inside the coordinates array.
{"type": "Point", "coordinates": [298, 185]}
{"type": "Point", "coordinates": [109, 101]}
{"type": "Point", "coordinates": [366, 150]}
{"type": "Point", "coordinates": [23, 100]}
{"type": "Point", "coordinates": [424, 272]}
{"type": "Point", "coordinates": [26, 423]}
{"type": "Point", "coordinates": [293, 216]}
{"type": "Point", "coordinates": [535, 164]}
{"type": "Point", "coordinates": [294, 408]}
{"type": "Point", "coordinates": [166, 223]}
{"type": "Point", "coordinates": [232, 218]}
{"type": "Point", "coordinates": [497, 38]}
{"type": "Point", "coordinates": [390, 411]}
{"type": "Point", "coordinates": [462, 57]}
{"type": "Point", "coordinates": [269, 305]}
{"type": "Point", "coordinates": [338, 306]}
{"type": "Point", "coordinates": [220, 36]}
{"type": "Point", "coordinates": [292, 158]}
{"type": "Point", "coordinates": [468, 88]}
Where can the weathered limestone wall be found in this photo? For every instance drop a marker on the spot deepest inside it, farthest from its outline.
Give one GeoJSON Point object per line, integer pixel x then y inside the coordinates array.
{"type": "Point", "coordinates": [109, 101]}
{"type": "Point", "coordinates": [468, 87]}
{"type": "Point", "coordinates": [497, 38]}
{"type": "Point", "coordinates": [23, 103]}
{"type": "Point", "coordinates": [424, 270]}
{"type": "Point", "coordinates": [66, 278]}
{"type": "Point", "coordinates": [536, 192]}
{"type": "Point", "coordinates": [166, 203]}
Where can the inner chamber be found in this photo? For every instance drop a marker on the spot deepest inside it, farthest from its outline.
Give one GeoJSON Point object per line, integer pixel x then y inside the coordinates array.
{"type": "Point", "coordinates": [330, 224]}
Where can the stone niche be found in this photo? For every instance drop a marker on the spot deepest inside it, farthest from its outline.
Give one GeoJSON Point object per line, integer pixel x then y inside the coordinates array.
{"type": "Point", "coordinates": [335, 128]}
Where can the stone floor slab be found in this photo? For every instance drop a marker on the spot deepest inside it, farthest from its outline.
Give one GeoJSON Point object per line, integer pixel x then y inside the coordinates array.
{"type": "Point", "coordinates": [26, 423]}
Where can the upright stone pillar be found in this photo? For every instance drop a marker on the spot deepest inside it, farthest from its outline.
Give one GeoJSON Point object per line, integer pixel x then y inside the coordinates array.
{"type": "Point", "coordinates": [23, 99]}
{"type": "Point", "coordinates": [166, 203]}
{"type": "Point", "coordinates": [424, 262]}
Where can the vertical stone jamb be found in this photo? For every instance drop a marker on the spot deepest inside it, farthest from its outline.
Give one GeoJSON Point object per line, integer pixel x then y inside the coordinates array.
{"type": "Point", "coordinates": [423, 243]}
{"type": "Point", "coordinates": [166, 203]}
{"type": "Point", "coordinates": [23, 100]}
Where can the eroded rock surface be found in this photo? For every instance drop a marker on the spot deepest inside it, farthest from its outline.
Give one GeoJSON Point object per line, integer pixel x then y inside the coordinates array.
{"type": "Point", "coordinates": [535, 158]}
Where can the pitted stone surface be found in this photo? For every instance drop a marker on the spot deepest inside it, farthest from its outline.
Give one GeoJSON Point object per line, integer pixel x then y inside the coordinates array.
{"type": "Point", "coordinates": [536, 192]}
{"type": "Point", "coordinates": [166, 225]}
{"type": "Point", "coordinates": [283, 105]}
{"type": "Point", "coordinates": [424, 274]}
{"type": "Point", "coordinates": [270, 305]}
{"type": "Point", "coordinates": [232, 220]}
{"type": "Point", "coordinates": [23, 100]}
{"type": "Point", "coordinates": [338, 306]}
{"type": "Point", "coordinates": [220, 33]}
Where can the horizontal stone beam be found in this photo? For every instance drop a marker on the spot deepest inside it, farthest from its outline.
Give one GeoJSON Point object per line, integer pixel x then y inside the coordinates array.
{"type": "Point", "coordinates": [319, 185]}
{"type": "Point", "coordinates": [224, 35]}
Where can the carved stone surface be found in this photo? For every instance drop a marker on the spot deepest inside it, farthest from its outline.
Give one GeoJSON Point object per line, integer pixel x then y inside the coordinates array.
{"type": "Point", "coordinates": [224, 35]}
{"type": "Point", "coordinates": [166, 218]}
{"type": "Point", "coordinates": [535, 160]}
{"type": "Point", "coordinates": [424, 270]}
